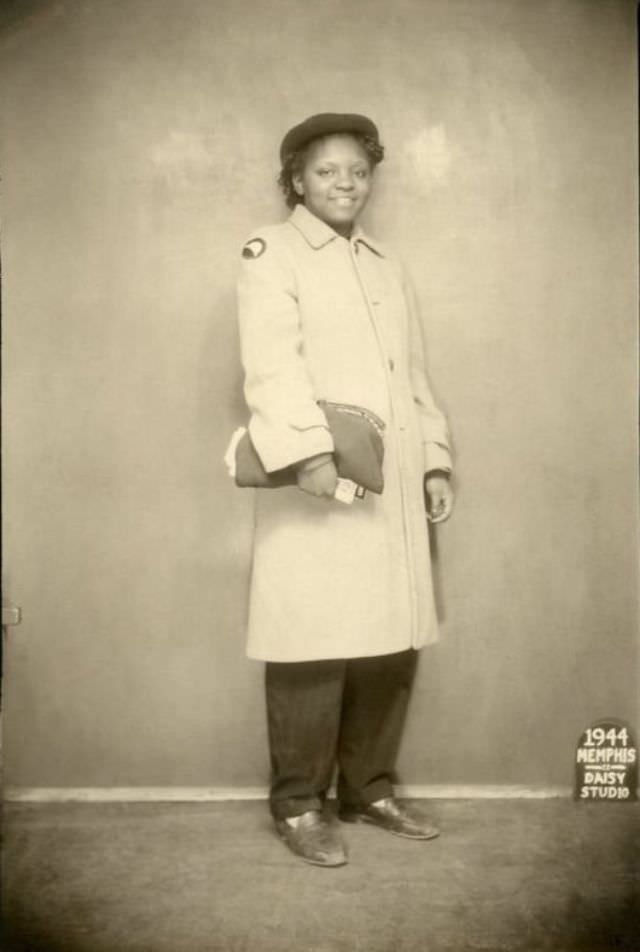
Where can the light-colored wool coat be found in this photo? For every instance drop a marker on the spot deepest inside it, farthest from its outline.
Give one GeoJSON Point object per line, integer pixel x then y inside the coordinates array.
{"type": "Point", "coordinates": [325, 317]}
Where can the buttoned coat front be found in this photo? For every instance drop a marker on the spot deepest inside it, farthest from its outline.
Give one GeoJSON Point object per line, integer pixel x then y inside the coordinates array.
{"type": "Point", "coordinates": [326, 317]}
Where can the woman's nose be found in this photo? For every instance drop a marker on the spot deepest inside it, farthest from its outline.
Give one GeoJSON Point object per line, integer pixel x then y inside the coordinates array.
{"type": "Point", "coordinates": [345, 182]}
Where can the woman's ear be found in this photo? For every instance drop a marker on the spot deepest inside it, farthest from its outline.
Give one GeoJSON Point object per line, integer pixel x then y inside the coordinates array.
{"type": "Point", "coordinates": [297, 184]}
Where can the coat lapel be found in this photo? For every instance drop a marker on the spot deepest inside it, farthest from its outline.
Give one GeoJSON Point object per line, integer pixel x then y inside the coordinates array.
{"type": "Point", "coordinates": [318, 233]}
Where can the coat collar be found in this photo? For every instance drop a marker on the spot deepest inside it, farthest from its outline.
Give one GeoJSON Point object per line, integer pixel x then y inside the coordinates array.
{"type": "Point", "coordinates": [319, 234]}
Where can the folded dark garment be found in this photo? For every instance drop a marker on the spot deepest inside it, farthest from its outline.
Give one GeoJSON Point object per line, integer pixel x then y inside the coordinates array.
{"type": "Point", "coordinates": [358, 451]}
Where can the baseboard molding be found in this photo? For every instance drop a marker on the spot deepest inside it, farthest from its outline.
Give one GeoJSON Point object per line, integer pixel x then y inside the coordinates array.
{"type": "Point", "coordinates": [221, 794]}
{"type": "Point", "coordinates": [481, 792]}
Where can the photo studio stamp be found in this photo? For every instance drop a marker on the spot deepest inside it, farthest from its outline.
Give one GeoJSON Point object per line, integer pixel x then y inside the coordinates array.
{"type": "Point", "coordinates": [607, 763]}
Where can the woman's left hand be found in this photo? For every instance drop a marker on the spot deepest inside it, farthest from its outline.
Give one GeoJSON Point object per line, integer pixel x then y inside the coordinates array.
{"type": "Point", "coordinates": [439, 496]}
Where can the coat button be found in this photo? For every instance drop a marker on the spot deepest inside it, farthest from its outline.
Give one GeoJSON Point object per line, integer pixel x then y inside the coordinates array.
{"type": "Point", "coordinates": [391, 364]}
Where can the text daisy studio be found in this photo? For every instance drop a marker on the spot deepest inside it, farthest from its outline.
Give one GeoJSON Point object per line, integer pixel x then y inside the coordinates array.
{"type": "Point", "coordinates": [606, 763]}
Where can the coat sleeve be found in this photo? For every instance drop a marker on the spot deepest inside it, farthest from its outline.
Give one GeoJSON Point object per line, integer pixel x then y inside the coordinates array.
{"type": "Point", "coordinates": [435, 431]}
{"type": "Point", "coordinates": [286, 424]}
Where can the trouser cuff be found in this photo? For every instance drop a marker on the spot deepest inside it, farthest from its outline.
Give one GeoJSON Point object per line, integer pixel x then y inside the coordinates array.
{"type": "Point", "coordinates": [369, 794]}
{"type": "Point", "coordinates": [294, 806]}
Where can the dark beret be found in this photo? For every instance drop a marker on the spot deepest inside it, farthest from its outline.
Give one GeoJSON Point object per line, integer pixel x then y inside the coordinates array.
{"type": "Point", "coordinates": [326, 124]}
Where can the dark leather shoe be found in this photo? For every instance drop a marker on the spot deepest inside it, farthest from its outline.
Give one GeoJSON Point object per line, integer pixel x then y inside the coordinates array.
{"type": "Point", "coordinates": [314, 838]}
{"type": "Point", "coordinates": [390, 815]}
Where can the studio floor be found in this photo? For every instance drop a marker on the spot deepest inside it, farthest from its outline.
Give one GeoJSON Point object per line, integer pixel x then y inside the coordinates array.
{"type": "Point", "coordinates": [505, 875]}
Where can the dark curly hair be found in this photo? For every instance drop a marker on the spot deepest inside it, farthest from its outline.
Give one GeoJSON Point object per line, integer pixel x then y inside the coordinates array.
{"type": "Point", "coordinates": [293, 164]}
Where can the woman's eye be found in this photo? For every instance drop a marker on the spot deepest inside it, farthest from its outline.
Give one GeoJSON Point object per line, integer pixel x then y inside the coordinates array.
{"type": "Point", "coordinates": [362, 173]}
{"type": "Point", "coordinates": [324, 172]}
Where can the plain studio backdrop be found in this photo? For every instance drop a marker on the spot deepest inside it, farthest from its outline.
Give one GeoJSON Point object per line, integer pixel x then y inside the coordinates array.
{"type": "Point", "coordinates": [139, 149]}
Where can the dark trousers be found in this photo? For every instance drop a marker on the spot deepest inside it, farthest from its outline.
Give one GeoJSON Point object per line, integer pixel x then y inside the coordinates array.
{"type": "Point", "coordinates": [319, 713]}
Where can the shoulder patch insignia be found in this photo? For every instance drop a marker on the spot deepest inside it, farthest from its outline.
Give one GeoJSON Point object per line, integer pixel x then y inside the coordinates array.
{"type": "Point", "coordinates": [254, 248]}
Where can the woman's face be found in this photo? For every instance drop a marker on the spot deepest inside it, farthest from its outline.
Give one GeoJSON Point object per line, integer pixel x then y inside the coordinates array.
{"type": "Point", "coordinates": [336, 181]}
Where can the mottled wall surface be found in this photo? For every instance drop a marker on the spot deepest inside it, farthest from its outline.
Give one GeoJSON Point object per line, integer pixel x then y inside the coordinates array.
{"type": "Point", "coordinates": [139, 142]}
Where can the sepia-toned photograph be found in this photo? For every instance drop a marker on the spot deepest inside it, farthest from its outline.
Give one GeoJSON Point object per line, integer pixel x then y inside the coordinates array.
{"type": "Point", "coordinates": [319, 343]}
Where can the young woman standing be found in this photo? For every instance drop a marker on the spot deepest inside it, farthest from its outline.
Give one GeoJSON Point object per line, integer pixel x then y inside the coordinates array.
{"type": "Point", "coordinates": [341, 595]}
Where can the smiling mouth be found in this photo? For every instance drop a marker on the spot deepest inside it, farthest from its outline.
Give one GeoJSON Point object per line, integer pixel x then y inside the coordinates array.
{"type": "Point", "coordinates": [344, 200]}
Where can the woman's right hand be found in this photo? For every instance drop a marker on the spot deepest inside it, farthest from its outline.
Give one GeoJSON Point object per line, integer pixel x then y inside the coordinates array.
{"type": "Point", "coordinates": [318, 476]}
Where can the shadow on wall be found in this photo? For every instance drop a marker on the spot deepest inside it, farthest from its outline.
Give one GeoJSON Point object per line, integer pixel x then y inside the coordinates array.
{"type": "Point", "coordinates": [16, 13]}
